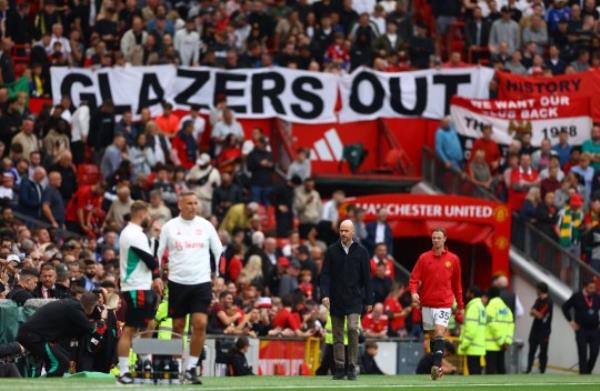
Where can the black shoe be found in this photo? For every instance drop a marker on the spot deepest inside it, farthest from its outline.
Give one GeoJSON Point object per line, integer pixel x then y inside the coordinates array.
{"type": "Point", "coordinates": [339, 374]}
{"type": "Point", "coordinates": [352, 375]}
{"type": "Point", "coordinates": [125, 378]}
{"type": "Point", "coordinates": [190, 377]}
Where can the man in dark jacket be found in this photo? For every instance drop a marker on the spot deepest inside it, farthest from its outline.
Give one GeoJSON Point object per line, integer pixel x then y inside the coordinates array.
{"type": "Point", "coordinates": [260, 164]}
{"type": "Point", "coordinates": [237, 362]}
{"type": "Point", "coordinates": [8, 352]}
{"type": "Point", "coordinates": [226, 195]}
{"type": "Point", "coordinates": [23, 291]}
{"type": "Point", "coordinates": [283, 200]}
{"type": "Point", "coordinates": [379, 231]}
{"type": "Point", "coordinates": [59, 321]}
{"type": "Point", "coordinates": [48, 288]}
{"type": "Point", "coordinates": [102, 129]}
{"type": "Point", "coordinates": [31, 192]}
{"type": "Point", "coordinates": [586, 305]}
{"type": "Point", "coordinates": [346, 291]}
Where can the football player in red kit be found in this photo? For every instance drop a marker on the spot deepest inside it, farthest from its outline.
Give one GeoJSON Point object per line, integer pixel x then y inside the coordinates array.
{"type": "Point", "coordinates": [434, 284]}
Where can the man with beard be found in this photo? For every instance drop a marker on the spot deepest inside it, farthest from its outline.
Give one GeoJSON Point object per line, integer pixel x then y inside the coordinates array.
{"type": "Point", "coordinates": [140, 275]}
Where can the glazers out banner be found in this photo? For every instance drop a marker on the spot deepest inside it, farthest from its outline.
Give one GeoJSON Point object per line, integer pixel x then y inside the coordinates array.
{"type": "Point", "coordinates": [368, 95]}
{"type": "Point", "coordinates": [582, 84]}
{"type": "Point", "coordinates": [293, 95]}
{"type": "Point", "coordinates": [543, 117]}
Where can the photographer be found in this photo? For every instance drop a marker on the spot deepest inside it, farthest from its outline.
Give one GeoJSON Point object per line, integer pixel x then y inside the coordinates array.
{"type": "Point", "coordinates": [8, 352]}
{"type": "Point", "coordinates": [58, 321]}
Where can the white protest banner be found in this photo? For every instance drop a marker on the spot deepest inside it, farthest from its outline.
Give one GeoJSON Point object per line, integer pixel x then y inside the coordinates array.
{"type": "Point", "coordinates": [293, 95]}
{"type": "Point", "coordinates": [368, 95]}
{"type": "Point", "coordinates": [543, 117]}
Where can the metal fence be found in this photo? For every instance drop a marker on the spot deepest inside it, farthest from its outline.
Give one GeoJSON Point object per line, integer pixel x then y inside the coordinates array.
{"type": "Point", "coordinates": [526, 238]}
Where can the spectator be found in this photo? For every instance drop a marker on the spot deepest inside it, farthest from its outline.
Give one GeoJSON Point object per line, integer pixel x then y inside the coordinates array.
{"type": "Point", "coordinates": [328, 225]}
{"type": "Point", "coordinates": [228, 125]}
{"type": "Point", "coordinates": [228, 193]}
{"type": "Point", "coordinates": [53, 205]}
{"type": "Point", "coordinates": [529, 209]}
{"type": "Point", "coordinates": [121, 207]}
{"type": "Point", "coordinates": [187, 43]}
{"type": "Point", "coordinates": [301, 165]}
{"type": "Point", "coordinates": [375, 324]}
{"type": "Point", "coordinates": [554, 62]}
{"type": "Point", "coordinates": [553, 162]}
{"type": "Point", "coordinates": [390, 41]}
{"type": "Point", "coordinates": [477, 30]}
{"type": "Point", "coordinates": [157, 209]}
{"type": "Point", "coordinates": [505, 30]}
{"type": "Point", "coordinates": [582, 63]}
{"type": "Point", "coordinates": [546, 215]}
{"type": "Point", "coordinates": [586, 173]}
{"type": "Point", "coordinates": [83, 213]}
{"type": "Point", "coordinates": [536, 32]}
{"type": "Point", "coordinates": [65, 168]}
{"type": "Point", "coordinates": [261, 166]}
{"type": "Point", "coordinates": [26, 137]}
{"type": "Point", "coordinates": [479, 170]}
{"type": "Point", "coordinates": [592, 147]}
{"type": "Point", "coordinates": [569, 227]}
{"type": "Point", "coordinates": [382, 284]}
{"type": "Point", "coordinates": [141, 156]}
{"type": "Point", "coordinates": [381, 257]}
{"type": "Point", "coordinates": [379, 231]}
{"type": "Point", "coordinates": [521, 179]}
{"type": "Point", "coordinates": [113, 156]}
{"type": "Point", "coordinates": [185, 145]}
{"type": "Point", "coordinates": [48, 288]}
{"type": "Point", "coordinates": [238, 216]}
{"type": "Point", "coordinates": [540, 159]}
{"type": "Point", "coordinates": [168, 123]}
{"type": "Point", "coordinates": [202, 179]}
{"type": "Point", "coordinates": [289, 281]}
{"type": "Point", "coordinates": [515, 65]}
{"type": "Point", "coordinates": [126, 127]}
{"type": "Point", "coordinates": [283, 201]}
{"type": "Point", "coordinates": [368, 365]}
{"type": "Point", "coordinates": [30, 194]}
{"type": "Point", "coordinates": [198, 121]}
{"type": "Point", "coordinates": [489, 146]}
{"type": "Point", "coordinates": [563, 148]}
{"type": "Point", "coordinates": [102, 129]}
{"type": "Point", "coordinates": [447, 145]}
{"type": "Point", "coordinates": [24, 288]}
{"type": "Point", "coordinates": [307, 206]}
{"type": "Point", "coordinates": [421, 48]}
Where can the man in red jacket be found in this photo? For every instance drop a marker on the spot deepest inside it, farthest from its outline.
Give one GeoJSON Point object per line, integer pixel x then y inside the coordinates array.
{"type": "Point", "coordinates": [434, 284]}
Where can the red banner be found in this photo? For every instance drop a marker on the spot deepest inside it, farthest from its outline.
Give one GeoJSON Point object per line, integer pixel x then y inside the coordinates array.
{"type": "Point", "coordinates": [585, 84]}
{"type": "Point", "coordinates": [281, 357]}
{"type": "Point", "coordinates": [469, 220]}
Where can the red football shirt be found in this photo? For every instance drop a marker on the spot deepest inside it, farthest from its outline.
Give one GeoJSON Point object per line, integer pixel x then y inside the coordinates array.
{"type": "Point", "coordinates": [375, 325]}
{"type": "Point", "coordinates": [437, 280]}
{"type": "Point", "coordinates": [390, 270]}
{"type": "Point", "coordinates": [516, 198]}
{"type": "Point", "coordinates": [287, 320]}
{"type": "Point", "coordinates": [85, 200]}
{"type": "Point", "coordinates": [392, 305]}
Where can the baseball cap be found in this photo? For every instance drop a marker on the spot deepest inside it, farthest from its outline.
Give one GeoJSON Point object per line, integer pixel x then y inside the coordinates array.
{"type": "Point", "coordinates": [203, 159]}
{"type": "Point", "coordinates": [13, 258]}
{"type": "Point", "coordinates": [283, 261]}
{"type": "Point", "coordinates": [576, 200]}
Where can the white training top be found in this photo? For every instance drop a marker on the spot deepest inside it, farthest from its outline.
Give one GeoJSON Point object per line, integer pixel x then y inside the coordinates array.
{"type": "Point", "coordinates": [135, 275]}
{"type": "Point", "coordinates": [188, 243]}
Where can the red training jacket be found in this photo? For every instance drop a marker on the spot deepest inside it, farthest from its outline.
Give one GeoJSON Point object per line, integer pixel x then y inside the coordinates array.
{"type": "Point", "coordinates": [437, 280]}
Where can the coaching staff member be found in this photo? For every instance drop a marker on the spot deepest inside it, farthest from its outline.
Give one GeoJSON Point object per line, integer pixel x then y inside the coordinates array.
{"type": "Point", "coordinates": [190, 241]}
{"type": "Point", "coordinates": [586, 304]}
{"type": "Point", "coordinates": [58, 321]}
{"type": "Point", "coordinates": [435, 282]}
{"type": "Point", "coordinates": [346, 288]}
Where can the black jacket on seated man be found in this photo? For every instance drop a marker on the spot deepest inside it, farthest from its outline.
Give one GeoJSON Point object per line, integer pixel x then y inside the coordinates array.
{"type": "Point", "coordinates": [19, 295]}
{"type": "Point", "coordinates": [58, 291]}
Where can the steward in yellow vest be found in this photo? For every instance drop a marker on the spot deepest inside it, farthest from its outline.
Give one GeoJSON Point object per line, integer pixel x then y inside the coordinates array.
{"type": "Point", "coordinates": [472, 334]}
{"type": "Point", "coordinates": [498, 333]}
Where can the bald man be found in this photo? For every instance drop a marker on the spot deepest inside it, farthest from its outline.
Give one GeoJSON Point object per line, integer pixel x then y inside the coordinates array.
{"type": "Point", "coordinates": [30, 193]}
{"type": "Point", "coordinates": [346, 292]}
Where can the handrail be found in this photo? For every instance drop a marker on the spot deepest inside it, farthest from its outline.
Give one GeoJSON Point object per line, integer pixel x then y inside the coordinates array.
{"type": "Point", "coordinates": [527, 238]}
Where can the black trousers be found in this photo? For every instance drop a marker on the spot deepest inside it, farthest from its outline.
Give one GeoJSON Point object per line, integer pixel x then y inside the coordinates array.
{"type": "Point", "coordinates": [494, 363]}
{"type": "Point", "coordinates": [587, 358]}
{"type": "Point", "coordinates": [54, 356]}
{"type": "Point", "coordinates": [474, 365]}
{"type": "Point", "coordinates": [534, 342]}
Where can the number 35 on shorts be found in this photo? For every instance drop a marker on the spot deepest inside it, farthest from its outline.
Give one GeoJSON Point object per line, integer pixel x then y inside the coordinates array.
{"type": "Point", "coordinates": [435, 316]}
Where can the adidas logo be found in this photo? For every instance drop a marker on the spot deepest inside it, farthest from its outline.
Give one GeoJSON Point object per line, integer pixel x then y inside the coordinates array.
{"type": "Point", "coordinates": [329, 148]}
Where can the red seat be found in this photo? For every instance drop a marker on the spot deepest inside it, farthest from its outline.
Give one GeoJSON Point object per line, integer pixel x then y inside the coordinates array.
{"type": "Point", "coordinates": [88, 174]}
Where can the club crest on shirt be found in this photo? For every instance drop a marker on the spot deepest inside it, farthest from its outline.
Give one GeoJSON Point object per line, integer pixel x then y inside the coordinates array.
{"type": "Point", "coordinates": [448, 264]}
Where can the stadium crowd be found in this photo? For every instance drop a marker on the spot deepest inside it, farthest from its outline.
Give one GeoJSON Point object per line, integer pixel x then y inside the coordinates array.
{"type": "Point", "coordinates": [80, 168]}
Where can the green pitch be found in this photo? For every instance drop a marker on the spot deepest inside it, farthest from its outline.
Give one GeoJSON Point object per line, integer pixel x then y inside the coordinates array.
{"type": "Point", "coordinates": [365, 383]}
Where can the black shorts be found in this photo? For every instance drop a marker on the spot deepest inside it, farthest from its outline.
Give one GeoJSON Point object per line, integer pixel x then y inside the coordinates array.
{"type": "Point", "coordinates": [141, 307]}
{"type": "Point", "coordinates": [189, 299]}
